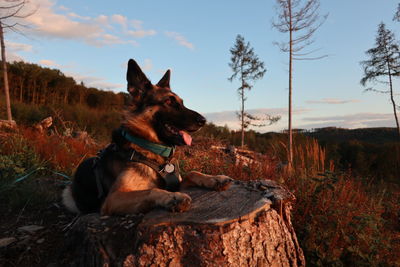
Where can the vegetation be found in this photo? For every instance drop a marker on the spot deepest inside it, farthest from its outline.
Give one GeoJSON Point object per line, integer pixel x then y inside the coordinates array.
{"type": "Point", "coordinates": [247, 68]}
{"type": "Point", "coordinates": [384, 62]}
{"type": "Point", "coordinates": [342, 218]}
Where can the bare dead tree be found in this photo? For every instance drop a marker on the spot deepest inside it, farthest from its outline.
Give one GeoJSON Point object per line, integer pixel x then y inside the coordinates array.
{"type": "Point", "coordinates": [10, 12]}
{"type": "Point", "coordinates": [299, 18]}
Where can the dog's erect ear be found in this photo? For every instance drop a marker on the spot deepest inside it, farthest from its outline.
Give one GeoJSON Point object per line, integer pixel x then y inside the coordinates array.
{"type": "Point", "coordinates": [138, 83]}
{"type": "Point", "coordinates": [164, 82]}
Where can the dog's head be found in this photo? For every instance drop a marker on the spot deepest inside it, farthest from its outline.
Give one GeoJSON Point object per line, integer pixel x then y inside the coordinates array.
{"type": "Point", "coordinates": [157, 114]}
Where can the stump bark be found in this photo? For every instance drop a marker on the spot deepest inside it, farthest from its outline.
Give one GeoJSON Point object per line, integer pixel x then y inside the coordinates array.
{"type": "Point", "coordinates": [247, 225]}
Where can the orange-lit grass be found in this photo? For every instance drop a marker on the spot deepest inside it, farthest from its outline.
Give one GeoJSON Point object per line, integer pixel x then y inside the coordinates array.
{"type": "Point", "coordinates": [339, 219]}
{"type": "Point", "coordinates": [61, 152]}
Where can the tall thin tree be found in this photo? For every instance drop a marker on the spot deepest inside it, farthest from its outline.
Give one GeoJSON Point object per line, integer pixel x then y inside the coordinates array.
{"type": "Point", "coordinates": [10, 12]}
{"type": "Point", "coordinates": [247, 68]}
{"type": "Point", "coordinates": [384, 61]}
{"type": "Point", "coordinates": [299, 18]}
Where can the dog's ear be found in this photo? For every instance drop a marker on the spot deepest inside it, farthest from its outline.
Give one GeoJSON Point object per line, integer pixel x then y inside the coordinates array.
{"type": "Point", "coordinates": [164, 82]}
{"type": "Point", "coordinates": [138, 83]}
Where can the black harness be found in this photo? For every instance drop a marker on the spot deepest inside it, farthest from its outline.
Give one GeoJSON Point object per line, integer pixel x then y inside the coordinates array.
{"type": "Point", "coordinates": [168, 172]}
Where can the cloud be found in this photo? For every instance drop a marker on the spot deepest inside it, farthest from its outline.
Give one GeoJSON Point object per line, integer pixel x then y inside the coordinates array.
{"type": "Point", "coordinates": [122, 20]}
{"type": "Point", "coordinates": [18, 47]}
{"type": "Point", "coordinates": [97, 82]}
{"type": "Point", "coordinates": [50, 23]}
{"type": "Point", "coordinates": [357, 120]}
{"type": "Point", "coordinates": [48, 63]}
{"type": "Point", "coordinates": [148, 65]}
{"type": "Point", "coordinates": [13, 50]}
{"type": "Point", "coordinates": [88, 79]}
{"type": "Point", "coordinates": [139, 32]}
{"type": "Point", "coordinates": [74, 15]}
{"type": "Point", "coordinates": [230, 119]}
{"type": "Point", "coordinates": [332, 101]}
{"type": "Point", "coordinates": [180, 39]}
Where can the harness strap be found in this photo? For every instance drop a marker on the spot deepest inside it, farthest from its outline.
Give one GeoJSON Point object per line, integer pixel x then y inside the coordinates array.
{"type": "Point", "coordinates": [172, 179]}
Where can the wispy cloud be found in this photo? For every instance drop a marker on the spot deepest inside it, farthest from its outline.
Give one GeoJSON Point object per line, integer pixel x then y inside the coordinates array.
{"type": "Point", "coordinates": [333, 101]}
{"type": "Point", "coordinates": [74, 15]}
{"type": "Point", "coordinates": [357, 120]}
{"type": "Point", "coordinates": [18, 47]}
{"type": "Point", "coordinates": [48, 63]}
{"type": "Point", "coordinates": [87, 78]}
{"type": "Point", "coordinates": [120, 19]}
{"type": "Point", "coordinates": [148, 65]}
{"type": "Point", "coordinates": [94, 81]}
{"type": "Point", "coordinates": [14, 49]}
{"type": "Point", "coordinates": [180, 39]}
{"type": "Point", "coordinates": [139, 31]}
{"type": "Point", "coordinates": [230, 119]}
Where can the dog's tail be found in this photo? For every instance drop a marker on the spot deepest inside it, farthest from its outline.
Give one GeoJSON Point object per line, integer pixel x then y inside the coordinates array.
{"type": "Point", "coordinates": [68, 200]}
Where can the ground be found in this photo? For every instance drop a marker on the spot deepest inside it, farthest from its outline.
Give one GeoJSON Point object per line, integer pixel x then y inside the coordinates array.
{"type": "Point", "coordinates": [43, 247]}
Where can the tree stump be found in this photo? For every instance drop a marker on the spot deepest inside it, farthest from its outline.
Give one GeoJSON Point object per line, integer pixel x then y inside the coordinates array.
{"type": "Point", "coordinates": [247, 225]}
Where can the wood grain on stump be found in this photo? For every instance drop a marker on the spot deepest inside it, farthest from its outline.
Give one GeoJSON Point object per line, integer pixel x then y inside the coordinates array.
{"type": "Point", "coordinates": [247, 225]}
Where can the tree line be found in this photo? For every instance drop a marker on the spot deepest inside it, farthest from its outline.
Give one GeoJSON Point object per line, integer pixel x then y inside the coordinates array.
{"type": "Point", "coordinates": [32, 84]}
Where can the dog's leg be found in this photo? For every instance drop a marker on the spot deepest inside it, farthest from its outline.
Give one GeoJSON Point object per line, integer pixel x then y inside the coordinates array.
{"type": "Point", "coordinates": [122, 202]}
{"type": "Point", "coordinates": [215, 182]}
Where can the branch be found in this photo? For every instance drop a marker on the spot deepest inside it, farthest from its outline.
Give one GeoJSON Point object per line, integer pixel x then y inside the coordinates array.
{"type": "Point", "coordinates": [311, 58]}
{"type": "Point", "coordinates": [376, 91]}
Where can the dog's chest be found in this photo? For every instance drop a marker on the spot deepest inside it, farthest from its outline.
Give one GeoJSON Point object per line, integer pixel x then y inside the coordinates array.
{"type": "Point", "coordinates": [138, 177]}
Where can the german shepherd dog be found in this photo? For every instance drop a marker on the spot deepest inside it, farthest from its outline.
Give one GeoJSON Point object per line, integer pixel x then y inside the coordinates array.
{"type": "Point", "coordinates": [131, 175]}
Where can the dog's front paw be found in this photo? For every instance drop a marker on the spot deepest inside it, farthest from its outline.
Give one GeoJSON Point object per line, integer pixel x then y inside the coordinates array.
{"type": "Point", "coordinates": [178, 202]}
{"type": "Point", "coordinates": [222, 182]}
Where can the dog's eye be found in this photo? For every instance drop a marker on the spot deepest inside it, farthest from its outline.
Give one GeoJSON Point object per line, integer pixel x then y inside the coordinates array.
{"type": "Point", "coordinates": [168, 102]}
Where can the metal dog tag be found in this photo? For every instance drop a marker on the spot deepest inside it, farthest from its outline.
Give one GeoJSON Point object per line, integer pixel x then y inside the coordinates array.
{"type": "Point", "coordinates": [169, 168]}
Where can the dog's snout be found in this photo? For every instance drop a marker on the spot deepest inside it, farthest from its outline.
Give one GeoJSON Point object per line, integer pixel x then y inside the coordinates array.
{"type": "Point", "coordinates": [201, 120]}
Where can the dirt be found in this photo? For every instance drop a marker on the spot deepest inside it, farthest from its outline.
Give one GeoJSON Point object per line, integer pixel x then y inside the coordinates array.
{"type": "Point", "coordinates": [43, 247]}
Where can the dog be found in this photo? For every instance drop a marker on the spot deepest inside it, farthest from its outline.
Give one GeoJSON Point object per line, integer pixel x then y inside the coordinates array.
{"type": "Point", "coordinates": [137, 171]}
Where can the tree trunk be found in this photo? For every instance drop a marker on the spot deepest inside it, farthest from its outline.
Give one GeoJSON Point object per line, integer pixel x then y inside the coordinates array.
{"type": "Point", "coordinates": [393, 102]}
{"type": "Point", "coordinates": [290, 147]}
{"type": "Point", "coordinates": [21, 85]}
{"type": "Point", "coordinates": [5, 74]}
{"type": "Point", "coordinates": [242, 114]}
{"type": "Point", "coordinates": [247, 225]}
{"type": "Point", "coordinates": [242, 108]}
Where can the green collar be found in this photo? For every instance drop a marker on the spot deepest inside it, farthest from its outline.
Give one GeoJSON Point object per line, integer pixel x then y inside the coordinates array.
{"type": "Point", "coordinates": [164, 151]}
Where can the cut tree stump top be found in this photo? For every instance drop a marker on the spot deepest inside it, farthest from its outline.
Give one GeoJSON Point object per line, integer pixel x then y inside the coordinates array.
{"type": "Point", "coordinates": [240, 202]}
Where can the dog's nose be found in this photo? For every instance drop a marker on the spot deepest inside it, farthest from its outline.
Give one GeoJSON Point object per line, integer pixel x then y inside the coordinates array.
{"type": "Point", "coordinates": [201, 120]}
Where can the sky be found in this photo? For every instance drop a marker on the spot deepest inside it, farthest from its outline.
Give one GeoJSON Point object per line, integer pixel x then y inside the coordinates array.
{"type": "Point", "coordinates": [92, 41]}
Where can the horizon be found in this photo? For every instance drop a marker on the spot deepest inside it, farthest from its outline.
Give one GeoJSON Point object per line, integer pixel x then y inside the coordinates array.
{"type": "Point", "coordinates": [93, 42]}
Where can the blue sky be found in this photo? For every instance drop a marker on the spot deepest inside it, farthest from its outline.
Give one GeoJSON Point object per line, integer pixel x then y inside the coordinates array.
{"type": "Point", "coordinates": [93, 40]}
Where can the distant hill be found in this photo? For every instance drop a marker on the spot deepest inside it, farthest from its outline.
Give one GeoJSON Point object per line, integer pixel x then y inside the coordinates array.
{"type": "Point", "coordinates": [379, 135]}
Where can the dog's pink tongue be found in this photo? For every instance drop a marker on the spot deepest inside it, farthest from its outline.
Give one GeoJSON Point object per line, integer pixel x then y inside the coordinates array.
{"type": "Point", "coordinates": [186, 137]}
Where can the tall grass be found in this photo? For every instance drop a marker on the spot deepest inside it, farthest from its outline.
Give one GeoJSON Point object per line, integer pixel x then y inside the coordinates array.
{"type": "Point", "coordinates": [342, 219]}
